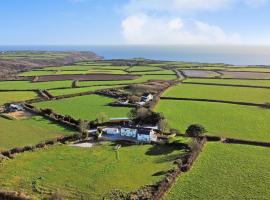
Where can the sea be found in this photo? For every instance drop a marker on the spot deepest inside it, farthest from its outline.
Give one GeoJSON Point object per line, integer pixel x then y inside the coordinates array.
{"type": "Point", "coordinates": [229, 54]}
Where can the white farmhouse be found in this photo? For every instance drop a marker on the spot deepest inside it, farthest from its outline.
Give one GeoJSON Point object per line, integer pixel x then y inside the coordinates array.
{"type": "Point", "coordinates": [146, 135]}
{"type": "Point", "coordinates": [147, 97]}
{"type": "Point", "coordinates": [129, 132]}
{"type": "Point", "coordinates": [112, 130]}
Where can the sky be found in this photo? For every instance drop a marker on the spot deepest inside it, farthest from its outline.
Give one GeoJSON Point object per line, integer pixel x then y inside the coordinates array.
{"type": "Point", "coordinates": [119, 22]}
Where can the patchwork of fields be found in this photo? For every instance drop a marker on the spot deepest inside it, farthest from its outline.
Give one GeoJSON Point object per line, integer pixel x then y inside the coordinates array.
{"type": "Point", "coordinates": [99, 169]}
{"type": "Point", "coordinates": [221, 172]}
{"type": "Point", "coordinates": [226, 93]}
{"type": "Point", "coordinates": [226, 171]}
{"type": "Point", "coordinates": [19, 133]}
{"type": "Point", "coordinates": [85, 107]}
{"type": "Point", "coordinates": [226, 120]}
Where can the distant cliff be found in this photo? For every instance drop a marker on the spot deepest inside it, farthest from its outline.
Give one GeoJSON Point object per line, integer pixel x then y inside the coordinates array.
{"type": "Point", "coordinates": [12, 62]}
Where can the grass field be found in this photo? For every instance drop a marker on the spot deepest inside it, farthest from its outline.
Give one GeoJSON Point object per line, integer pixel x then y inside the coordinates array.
{"type": "Point", "coordinates": [87, 173]}
{"type": "Point", "coordinates": [250, 69]}
{"type": "Point", "coordinates": [229, 81]}
{"type": "Point", "coordinates": [227, 120]}
{"type": "Point", "coordinates": [226, 171]}
{"type": "Point", "coordinates": [155, 72]}
{"type": "Point", "coordinates": [144, 68]}
{"type": "Point", "coordinates": [78, 90]}
{"type": "Point", "coordinates": [15, 133]}
{"type": "Point", "coordinates": [85, 107]}
{"type": "Point", "coordinates": [86, 67]}
{"type": "Point", "coordinates": [9, 97]}
{"type": "Point", "coordinates": [27, 85]}
{"type": "Point", "coordinates": [227, 93]}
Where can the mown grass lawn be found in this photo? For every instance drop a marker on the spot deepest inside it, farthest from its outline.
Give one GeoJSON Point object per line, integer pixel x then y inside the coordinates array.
{"type": "Point", "coordinates": [87, 173]}
{"type": "Point", "coordinates": [9, 97]}
{"type": "Point", "coordinates": [85, 107]}
{"type": "Point", "coordinates": [28, 85]}
{"type": "Point", "coordinates": [19, 133]}
{"type": "Point", "coordinates": [226, 171]}
{"type": "Point", "coordinates": [227, 93]}
{"type": "Point", "coordinates": [227, 120]}
{"type": "Point", "coordinates": [230, 81]}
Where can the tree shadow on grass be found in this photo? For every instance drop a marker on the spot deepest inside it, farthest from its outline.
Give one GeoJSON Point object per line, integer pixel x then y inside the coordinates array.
{"type": "Point", "coordinates": [165, 149]}
{"type": "Point", "coordinates": [160, 173]}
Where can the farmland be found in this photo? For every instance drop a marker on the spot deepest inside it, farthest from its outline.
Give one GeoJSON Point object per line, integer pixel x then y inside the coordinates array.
{"type": "Point", "coordinates": [100, 171]}
{"type": "Point", "coordinates": [28, 85]}
{"type": "Point", "coordinates": [59, 92]}
{"type": "Point", "coordinates": [8, 97]}
{"type": "Point", "coordinates": [231, 82]}
{"type": "Point", "coordinates": [227, 93]}
{"type": "Point", "coordinates": [225, 171]}
{"type": "Point", "coordinates": [220, 119]}
{"type": "Point", "coordinates": [18, 133]}
{"type": "Point", "coordinates": [85, 107]}
{"type": "Point", "coordinates": [222, 171]}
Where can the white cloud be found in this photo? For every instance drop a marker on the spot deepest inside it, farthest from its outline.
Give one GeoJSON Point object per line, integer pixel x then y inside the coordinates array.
{"type": "Point", "coordinates": [144, 29]}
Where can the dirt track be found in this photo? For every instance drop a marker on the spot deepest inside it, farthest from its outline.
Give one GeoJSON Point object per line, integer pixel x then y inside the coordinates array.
{"type": "Point", "coordinates": [85, 77]}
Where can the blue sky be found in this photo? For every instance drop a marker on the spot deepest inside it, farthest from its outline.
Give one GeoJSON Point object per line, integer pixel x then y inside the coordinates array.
{"type": "Point", "coordinates": [94, 22]}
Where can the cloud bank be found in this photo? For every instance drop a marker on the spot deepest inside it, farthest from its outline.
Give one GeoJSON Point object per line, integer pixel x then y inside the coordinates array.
{"type": "Point", "coordinates": [144, 29]}
{"type": "Point", "coordinates": [161, 22]}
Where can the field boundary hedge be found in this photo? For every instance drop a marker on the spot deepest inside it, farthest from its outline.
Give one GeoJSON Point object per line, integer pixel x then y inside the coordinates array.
{"type": "Point", "coordinates": [12, 195]}
{"type": "Point", "coordinates": [214, 101]}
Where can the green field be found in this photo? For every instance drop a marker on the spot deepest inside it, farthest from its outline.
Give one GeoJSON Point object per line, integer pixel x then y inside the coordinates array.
{"type": "Point", "coordinates": [155, 72]}
{"type": "Point", "coordinates": [9, 97]}
{"type": "Point", "coordinates": [78, 90]}
{"type": "Point", "coordinates": [85, 107]}
{"type": "Point", "coordinates": [227, 120]}
{"type": "Point", "coordinates": [14, 133]}
{"type": "Point", "coordinates": [86, 173]}
{"type": "Point", "coordinates": [250, 69]}
{"type": "Point", "coordinates": [86, 67]}
{"type": "Point", "coordinates": [144, 68]}
{"type": "Point", "coordinates": [27, 85]}
{"type": "Point", "coordinates": [226, 171]}
{"type": "Point", "coordinates": [37, 73]}
{"type": "Point", "coordinates": [226, 93]}
{"type": "Point", "coordinates": [230, 81]}
{"type": "Point", "coordinates": [141, 79]}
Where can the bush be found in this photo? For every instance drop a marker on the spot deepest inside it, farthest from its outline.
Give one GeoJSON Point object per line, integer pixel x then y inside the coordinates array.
{"type": "Point", "coordinates": [40, 145]}
{"type": "Point", "coordinates": [195, 130]}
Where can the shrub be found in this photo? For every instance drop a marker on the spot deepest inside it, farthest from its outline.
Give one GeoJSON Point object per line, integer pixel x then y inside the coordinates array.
{"type": "Point", "coordinates": [16, 150]}
{"type": "Point", "coordinates": [28, 148]}
{"type": "Point", "coordinates": [175, 131]}
{"type": "Point", "coordinates": [40, 145]}
{"type": "Point", "coordinates": [195, 130]}
{"type": "Point", "coordinates": [58, 195]}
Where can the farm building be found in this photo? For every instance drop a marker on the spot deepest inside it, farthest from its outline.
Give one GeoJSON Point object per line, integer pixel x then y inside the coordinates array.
{"type": "Point", "coordinates": [120, 121]}
{"type": "Point", "coordinates": [14, 108]}
{"type": "Point", "coordinates": [146, 135]}
{"type": "Point", "coordinates": [147, 97]}
{"type": "Point", "coordinates": [137, 133]}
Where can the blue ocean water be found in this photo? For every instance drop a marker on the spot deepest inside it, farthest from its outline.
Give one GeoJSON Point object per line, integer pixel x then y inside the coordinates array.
{"type": "Point", "coordinates": [237, 55]}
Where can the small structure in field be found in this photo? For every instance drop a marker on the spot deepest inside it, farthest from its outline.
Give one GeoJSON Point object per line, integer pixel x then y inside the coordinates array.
{"type": "Point", "coordinates": [147, 97]}
{"type": "Point", "coordinates": [120, 121]}
{"type": "Point", "coordinates": [14, 108]}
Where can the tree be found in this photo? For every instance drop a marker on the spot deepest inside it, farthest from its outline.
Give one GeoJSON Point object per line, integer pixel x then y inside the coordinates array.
{"type": "Point", "coordinates": [195, 130]}
{"type": "Point", "coordinates": [83, 126]}
{"type": "Point", "coordinates": [102, 118]}
{"type": "Point", "coordinates": [133, 99]}
{"type": "Point", "coordinates": [163, 125]}
{"type": "Point", "coordinates": [75, 84]}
